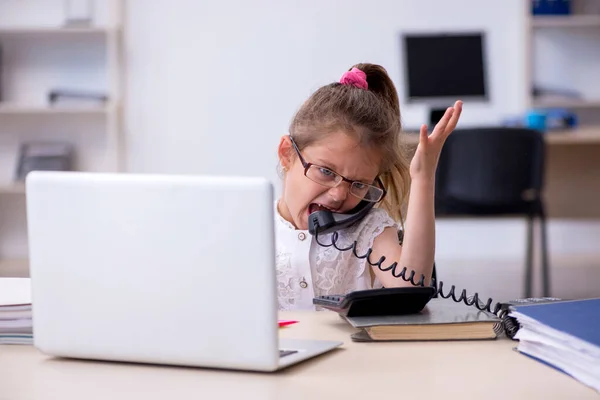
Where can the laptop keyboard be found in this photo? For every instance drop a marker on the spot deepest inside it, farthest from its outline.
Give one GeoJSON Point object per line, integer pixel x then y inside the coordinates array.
{"type": "Point", "coordinates": [283, 353]}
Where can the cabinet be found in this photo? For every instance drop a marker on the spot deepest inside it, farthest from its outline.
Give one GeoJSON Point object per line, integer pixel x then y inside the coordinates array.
{"type": "Point", "coordinates": [40, 53]}
{"type": "Point", "coordinates": [564, 60]}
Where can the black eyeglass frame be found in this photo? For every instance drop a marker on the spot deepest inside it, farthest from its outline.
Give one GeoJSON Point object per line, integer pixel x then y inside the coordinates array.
{"type": "Point", "coordinates": [307, 165]}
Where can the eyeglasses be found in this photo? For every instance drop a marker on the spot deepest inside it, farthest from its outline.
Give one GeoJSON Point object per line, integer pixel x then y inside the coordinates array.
{"type": "Point", "coordinates": [326, 177]}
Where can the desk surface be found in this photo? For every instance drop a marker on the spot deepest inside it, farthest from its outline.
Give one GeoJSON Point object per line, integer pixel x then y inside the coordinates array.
{"type": "Point", "coordinates": [584, 135]}
{"type": "Point", "coordinates": [434, 370]}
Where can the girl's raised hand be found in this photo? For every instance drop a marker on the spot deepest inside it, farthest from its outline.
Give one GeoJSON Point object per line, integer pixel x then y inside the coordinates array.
{"type": "Point", "coordinates": [425, 160]}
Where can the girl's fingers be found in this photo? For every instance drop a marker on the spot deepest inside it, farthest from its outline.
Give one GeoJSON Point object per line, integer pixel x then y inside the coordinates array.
{"type": "Point", "coordinates": [440, 128]}
{"type": "Point", "coordinates": [444, 126]}
{"type": "Point", "coordinates": [423, 134]}
{"type": "Point", "coordinates": [455, 116]}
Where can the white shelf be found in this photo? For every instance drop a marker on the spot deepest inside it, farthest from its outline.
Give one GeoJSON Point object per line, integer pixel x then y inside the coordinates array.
{"type": "Point", "coordinates": [24, 109]}
{"type": "Point", "coordinates": [566, 21]}
{"type": "Point", "coordinates": [24, 30]}
{"type": "Point", "coordinates": [12, 188]}
{"type": "Point", "coordinates": [566, 103]}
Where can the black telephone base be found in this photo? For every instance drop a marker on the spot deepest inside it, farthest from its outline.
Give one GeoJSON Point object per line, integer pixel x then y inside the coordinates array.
{"type": "Point", "coordinates": [378, 302]}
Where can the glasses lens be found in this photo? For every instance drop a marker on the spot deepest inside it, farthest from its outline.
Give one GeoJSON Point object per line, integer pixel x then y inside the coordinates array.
{"type": "Point", "coordinates": [327, 177]}
{"type": "Point", "coordinates": [366, 192]}
{"type": "Point", "coordinates": [323, 175]}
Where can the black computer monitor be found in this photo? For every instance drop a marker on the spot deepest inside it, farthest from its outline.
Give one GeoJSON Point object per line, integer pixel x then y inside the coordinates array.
{"type": "Point", "coordinates": [440, 68]}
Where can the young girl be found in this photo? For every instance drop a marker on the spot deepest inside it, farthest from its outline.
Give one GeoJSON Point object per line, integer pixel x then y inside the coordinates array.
{"type": "Point", "coordinates": [344, 146]}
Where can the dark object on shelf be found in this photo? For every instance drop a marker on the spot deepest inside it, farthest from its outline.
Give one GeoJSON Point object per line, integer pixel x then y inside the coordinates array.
{"type": "Point", "coordinates": [538, 91]}
{"type": "Point", "coordinates": [59, 97]}
{"type": "Point", "coordinates": [44, 156]}
{"type": "Point", "coordinates": [551, 7]}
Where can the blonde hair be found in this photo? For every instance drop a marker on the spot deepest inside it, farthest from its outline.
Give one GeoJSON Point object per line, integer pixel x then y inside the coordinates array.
{"type": "Point", "coordinates": [373, 117]}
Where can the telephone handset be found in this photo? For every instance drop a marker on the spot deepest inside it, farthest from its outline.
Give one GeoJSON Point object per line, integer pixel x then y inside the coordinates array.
{"type": "Point", "coordinates": [392, 301]}
{"type": "Point", "coordinates": [325, 221]}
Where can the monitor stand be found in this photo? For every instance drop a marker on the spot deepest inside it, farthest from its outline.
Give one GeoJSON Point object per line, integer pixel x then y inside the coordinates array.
{"type": "Point", "coordinates": [435, 114]}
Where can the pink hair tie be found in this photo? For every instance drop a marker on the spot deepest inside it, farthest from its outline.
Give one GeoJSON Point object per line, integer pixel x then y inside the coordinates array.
{"type": "Point", "coordinates": [355, 77]}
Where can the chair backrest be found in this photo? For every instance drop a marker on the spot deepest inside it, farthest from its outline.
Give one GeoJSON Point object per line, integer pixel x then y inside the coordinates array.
{"type": "Point", "coordinates": [491, 167]}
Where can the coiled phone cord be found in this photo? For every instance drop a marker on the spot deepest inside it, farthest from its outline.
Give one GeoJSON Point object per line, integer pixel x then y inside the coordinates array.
{"type": "Point", "coordinates": [508, 325]}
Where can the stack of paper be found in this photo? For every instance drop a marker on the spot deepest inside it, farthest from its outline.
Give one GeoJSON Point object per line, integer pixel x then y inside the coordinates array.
{"type": "Point", "coordinates": [564, 335]}
{"type": "Point", "coordinates": [15, 311]}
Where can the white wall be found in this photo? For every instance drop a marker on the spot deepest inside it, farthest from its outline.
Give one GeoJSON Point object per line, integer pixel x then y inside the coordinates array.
{"type": "Point", "coordinates": [213, 85]}
{"type": "Point", "coordinates": [207, 80]}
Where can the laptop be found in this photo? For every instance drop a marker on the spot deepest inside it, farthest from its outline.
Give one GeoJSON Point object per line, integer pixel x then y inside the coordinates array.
{"type": "Point", "coordinates": [161, 269]}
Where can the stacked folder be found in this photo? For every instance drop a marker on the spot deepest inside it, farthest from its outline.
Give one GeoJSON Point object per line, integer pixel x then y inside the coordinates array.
{"type": "Point", "coordinates": [564, 335]}
{"type": "Point", "coordinates": [15, 311]}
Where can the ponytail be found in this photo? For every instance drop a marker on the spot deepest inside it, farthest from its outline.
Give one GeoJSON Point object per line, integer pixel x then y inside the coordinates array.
{"type": "Point", "coordinates": [396, 181]}
{"type": "Point", "coordinates": [395, 176]}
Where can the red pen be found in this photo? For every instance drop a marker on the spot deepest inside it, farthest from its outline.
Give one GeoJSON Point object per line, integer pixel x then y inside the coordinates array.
{"type": "Point", "coordinates": [286, 322]}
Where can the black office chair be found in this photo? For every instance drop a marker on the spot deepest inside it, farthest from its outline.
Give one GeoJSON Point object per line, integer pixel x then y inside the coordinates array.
{"type": "Point", "coordinates": [496, 172]}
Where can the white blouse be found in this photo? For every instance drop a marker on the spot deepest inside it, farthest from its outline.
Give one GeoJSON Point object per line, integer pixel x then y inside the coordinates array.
{"type": "Point", "coordinates": [306, 269]}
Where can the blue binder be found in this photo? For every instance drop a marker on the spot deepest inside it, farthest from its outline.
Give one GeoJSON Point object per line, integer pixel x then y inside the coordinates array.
{"type": "Point", "coordinates": [550, 7]}
{"type": "Point", "coordinates": [564, 335]}
{"type": "Point", "coordinates": [579, 318]}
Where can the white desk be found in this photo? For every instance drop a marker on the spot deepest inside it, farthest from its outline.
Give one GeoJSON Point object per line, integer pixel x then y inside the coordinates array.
{"type": "Point", "coordinates": [435, 370]}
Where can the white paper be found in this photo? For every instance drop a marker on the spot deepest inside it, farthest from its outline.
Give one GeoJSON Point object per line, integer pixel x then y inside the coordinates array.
{"type": "Point", "coordinates": [15, 291]}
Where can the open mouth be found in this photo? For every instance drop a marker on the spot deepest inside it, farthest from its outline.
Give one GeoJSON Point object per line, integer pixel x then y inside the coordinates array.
{"type": "Point", "coordinates": [317, 207]}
